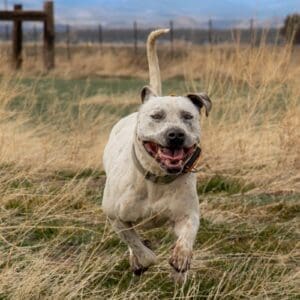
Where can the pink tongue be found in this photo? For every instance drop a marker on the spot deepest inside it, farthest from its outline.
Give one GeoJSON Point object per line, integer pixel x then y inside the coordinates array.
{"type": "Point", "coordinates": [176, 155]}
{"type": "Point", "coordinates": [166, 151]}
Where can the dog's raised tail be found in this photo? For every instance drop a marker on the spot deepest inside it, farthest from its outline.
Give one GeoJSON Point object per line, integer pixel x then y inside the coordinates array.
{"type": "Point", "coordinates": [154, 72]}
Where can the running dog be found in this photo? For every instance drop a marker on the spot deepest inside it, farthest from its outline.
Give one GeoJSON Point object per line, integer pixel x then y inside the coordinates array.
{"type": "Point", "coordinates": [148, 161]}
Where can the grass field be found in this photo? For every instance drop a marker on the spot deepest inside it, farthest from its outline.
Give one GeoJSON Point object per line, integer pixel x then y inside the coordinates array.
{"type": "Point", "coordinates": [55, 242]}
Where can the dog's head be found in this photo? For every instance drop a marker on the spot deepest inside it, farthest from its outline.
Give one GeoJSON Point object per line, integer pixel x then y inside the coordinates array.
{"type": "Point", "coordinates": [168, 128]}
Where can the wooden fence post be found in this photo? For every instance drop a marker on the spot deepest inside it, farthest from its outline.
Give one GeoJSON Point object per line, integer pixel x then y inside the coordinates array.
{"type": "Point", "coordinates": [100, 36]}
{"type": "Point", "coordinates": [17, 41]}
{"type": "Point", "coordinates": [68, 40]}
{"type": "Point", "coordinates": [210, 33]}
{"type": "Point", "coordinates": [7, 38]}
{"type": "Point", "coordinates": [6, 33]}
{"type": "Point", "coordinates": [35, 39]}
{"type": "Point", "coordinates": [172, 38]}
{"type": "Point", "coordinates": [252, 37]}
{"type": "Point", "coordinates": [135, 36]}
{"type": "Point", "coordinates": [49, 36]}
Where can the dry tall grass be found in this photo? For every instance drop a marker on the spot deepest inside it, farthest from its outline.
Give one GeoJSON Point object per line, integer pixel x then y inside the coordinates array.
{"type": "Point", "coordinates": [54, 240]}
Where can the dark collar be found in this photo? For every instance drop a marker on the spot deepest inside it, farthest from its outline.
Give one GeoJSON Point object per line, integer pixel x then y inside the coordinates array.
{"type": "Point", "coordinates": [165, 179]}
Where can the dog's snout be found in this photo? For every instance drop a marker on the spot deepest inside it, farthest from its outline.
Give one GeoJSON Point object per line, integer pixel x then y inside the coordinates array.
{"type": "Point", "coordinates": [175, 137]}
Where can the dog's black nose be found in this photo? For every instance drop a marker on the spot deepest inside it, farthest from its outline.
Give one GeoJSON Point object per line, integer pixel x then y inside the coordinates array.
{"type": "Point", "coordinates": [175, 138]}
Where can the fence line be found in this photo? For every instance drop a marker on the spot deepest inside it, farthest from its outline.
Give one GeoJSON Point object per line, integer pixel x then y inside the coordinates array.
{"type": "Point", "coordinates": [172, 37]}
{"type": "Point", "coordinates": [210, 32]}
{"type": "Point", "coordinates": [252, 39]}
{"type": "Point", "coordinates": [68, 41]}
{"type": "Point", "coordinates": [17, 39]}
{"type": "Point", "coordinates": [135, 36]}
{"type": "Point", "coordinates": [35, 41]}
{"type": "Point", "coordinates": [100, 36]}
{"type": "Point", "coordinates": [18, 16]}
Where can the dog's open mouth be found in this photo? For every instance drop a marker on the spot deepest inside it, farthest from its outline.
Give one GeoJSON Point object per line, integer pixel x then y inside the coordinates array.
{"type": "Point", "coordinates": [172, 160]}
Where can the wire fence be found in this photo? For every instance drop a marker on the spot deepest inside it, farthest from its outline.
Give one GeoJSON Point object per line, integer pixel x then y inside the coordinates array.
{"type": "Point", "coordinates": [69, 36]}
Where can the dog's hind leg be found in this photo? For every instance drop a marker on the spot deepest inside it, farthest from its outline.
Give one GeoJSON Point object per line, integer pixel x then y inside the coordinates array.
{"type": "Point", "coordinates": [140, 256]}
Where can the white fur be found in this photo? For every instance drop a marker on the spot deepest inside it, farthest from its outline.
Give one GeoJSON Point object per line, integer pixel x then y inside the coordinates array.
{"type": "Point", "coordinates": [129, 199]}
{"type": "Point", "coordinates": [132, 202]}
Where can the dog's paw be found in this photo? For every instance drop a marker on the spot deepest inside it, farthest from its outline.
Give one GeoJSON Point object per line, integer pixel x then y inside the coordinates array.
{"type": "Point", "coordinates": [179, 278]}
{"type": "Point", "coordinates": [140, 264]}
{"type": "Point", "coordinates": [136, 267]}
{"type": "Point", "coordinates": [147, 257]}
{"type": "Point", "coordinates": [181, 259]}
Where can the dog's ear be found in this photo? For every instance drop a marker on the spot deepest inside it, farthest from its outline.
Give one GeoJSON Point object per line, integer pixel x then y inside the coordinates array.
{"type": "Point", "coordinates": [146, 93]}
{"type": "Point", "coordinates": [200, 100]}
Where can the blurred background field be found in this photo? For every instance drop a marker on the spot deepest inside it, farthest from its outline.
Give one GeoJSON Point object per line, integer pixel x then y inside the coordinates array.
{"type": "Point", "coordinates": [55, 242]}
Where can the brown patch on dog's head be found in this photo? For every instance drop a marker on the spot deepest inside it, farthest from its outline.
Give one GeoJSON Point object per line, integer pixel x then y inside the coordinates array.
{"type": "Point", "coordinates": [146, 93]}
{"type": "Point", "coordinates": [200, 100]}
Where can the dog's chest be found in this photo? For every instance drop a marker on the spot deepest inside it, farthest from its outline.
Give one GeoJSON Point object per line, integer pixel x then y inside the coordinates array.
{"type": "Point", "coordinates": [147, 206]}
{"type": "Point", "coordinates": [155, 213]}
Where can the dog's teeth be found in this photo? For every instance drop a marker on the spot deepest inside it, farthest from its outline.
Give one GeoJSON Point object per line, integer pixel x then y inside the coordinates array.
{"type": "Point", "coordinates": [158, 153]}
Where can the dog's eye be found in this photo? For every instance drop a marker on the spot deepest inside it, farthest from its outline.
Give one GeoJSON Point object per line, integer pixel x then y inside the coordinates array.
{"type": "Point", "coordinates": [157, 116]}
{"type": "Point", "coordinates": [187, 116]}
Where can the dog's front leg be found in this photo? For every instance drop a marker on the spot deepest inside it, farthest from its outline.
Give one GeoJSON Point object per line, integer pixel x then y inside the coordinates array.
{"type": "Point", "coordinates": [141, 257]}
{"type": "Point", "coordinates": [186, 231]}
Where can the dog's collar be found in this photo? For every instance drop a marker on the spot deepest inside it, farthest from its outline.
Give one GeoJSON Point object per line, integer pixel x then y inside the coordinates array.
{"type": "Point", "coordinates": [165, 179]}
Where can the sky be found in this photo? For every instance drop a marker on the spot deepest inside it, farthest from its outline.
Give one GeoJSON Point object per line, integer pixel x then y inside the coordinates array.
{"type": "Point", "coordinates": [184, 13]}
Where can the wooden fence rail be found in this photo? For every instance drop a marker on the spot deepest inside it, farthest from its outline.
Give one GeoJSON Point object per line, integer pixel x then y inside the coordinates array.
{"type": "Point", "coordinates": [18, 16]}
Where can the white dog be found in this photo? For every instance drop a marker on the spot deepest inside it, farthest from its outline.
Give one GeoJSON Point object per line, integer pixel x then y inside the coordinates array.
{"type": "Point", "coordinates": [147, 160]}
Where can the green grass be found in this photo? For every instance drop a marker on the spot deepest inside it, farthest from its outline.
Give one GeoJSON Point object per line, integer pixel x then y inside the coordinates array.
{"type": "Point", "coordinates": [85, 173]}
{"type": "Point", "coordinates": [53, 228]}
{"type": "Point", "coordinates": [220, 183]}
{"type": "Point", "coordinates": [46, 100]}
{"type": "Point", "coordinates": [238, 248]}
{"type": "Point", "coordinates": [70, 91]}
